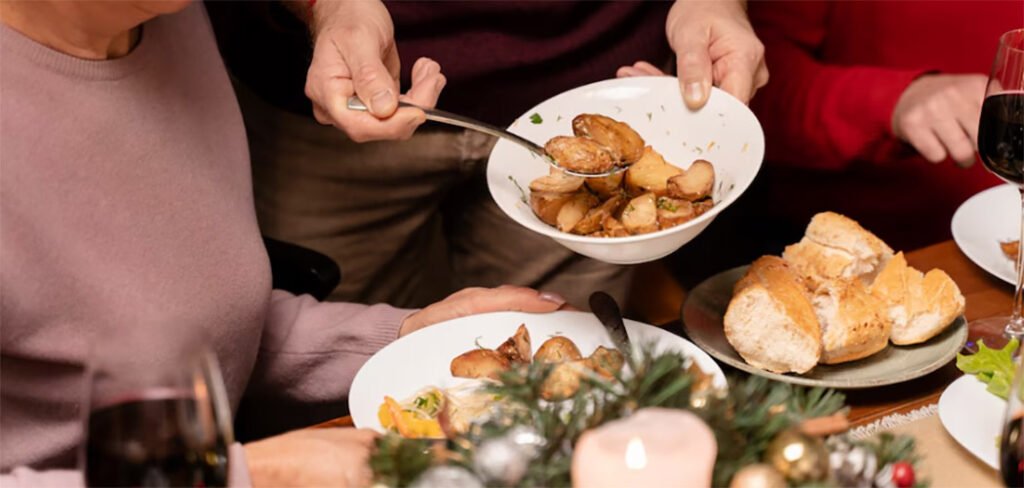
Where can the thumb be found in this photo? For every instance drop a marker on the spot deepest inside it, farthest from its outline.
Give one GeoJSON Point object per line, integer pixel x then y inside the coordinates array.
{"type": "Point", "coordinates": [693, 63]}
{"type": "Point", "coordinates": [372, 81]}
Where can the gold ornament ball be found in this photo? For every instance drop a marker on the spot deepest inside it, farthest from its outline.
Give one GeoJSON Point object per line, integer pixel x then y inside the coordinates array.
{"type": "Point", "coordinates": [758, 476]}
{"type": "Point", "coordinates": [798, 456]}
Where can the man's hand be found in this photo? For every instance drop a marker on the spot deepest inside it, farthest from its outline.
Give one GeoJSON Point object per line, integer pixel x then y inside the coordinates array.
{"type": "Point", "coordinates": [938, 115]}
{"type": "Point", "coordinates": [354, 54]}
{"type": "Point", "coordinates": [472, 301]}
{"type": "Point", "coordinates": [715, 44]}
{"type": "Point", "coordinates": [312, 457]}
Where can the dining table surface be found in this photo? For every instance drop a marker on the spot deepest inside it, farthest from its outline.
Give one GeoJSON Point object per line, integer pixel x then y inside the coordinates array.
{"type": "Point", "coordinates": [986, 296]}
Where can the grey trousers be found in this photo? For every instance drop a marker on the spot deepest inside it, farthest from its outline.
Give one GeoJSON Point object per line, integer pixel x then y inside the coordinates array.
{"type": "Point", "coordinates": [408, 222]}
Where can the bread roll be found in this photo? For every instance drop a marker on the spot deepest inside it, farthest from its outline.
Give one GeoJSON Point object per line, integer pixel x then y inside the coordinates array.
{"type": "Point", "coordinates": [919, 305]}
{"type": "Point", "coordinates": [853, 323]}
{"type": "Point", "coordinates": [835, 246]}
{"type": "Point", "coordinates": [770, 321]}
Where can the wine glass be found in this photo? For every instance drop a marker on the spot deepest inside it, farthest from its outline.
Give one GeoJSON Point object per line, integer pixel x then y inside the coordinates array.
{"type": "Point", "coordinates": [1001, 146]}
{"type": "Point", "coordinates": [1011, 443]}
{"type": "Point", "coordinates": [157, 417]}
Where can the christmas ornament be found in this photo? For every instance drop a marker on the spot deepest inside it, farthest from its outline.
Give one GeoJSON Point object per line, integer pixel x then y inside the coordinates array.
{"type": "Point", "coordinates": [798, 456]}
{"type": "Point", "coordinates": [447, 477]}
{"type": "Point", "coordinates": [504, 460]}
{"type": "Point", "coordinates": [852, 466]}
{"type": "Point", "coordinates": [903, 474]}
{"type": "Point", "coordinates": [758, 476]}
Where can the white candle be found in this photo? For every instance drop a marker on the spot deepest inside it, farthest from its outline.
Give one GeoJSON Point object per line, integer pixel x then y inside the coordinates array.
{"type": "Point", "coordinates": [655, 447]}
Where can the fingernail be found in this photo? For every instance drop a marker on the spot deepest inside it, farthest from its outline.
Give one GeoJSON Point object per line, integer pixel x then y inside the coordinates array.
{"type": "Point", "coordinates": [381, 101]}
{"type": "Point", "coordinates": [694, 91]}
{"type": "Point", "coordinates": [552, 297]}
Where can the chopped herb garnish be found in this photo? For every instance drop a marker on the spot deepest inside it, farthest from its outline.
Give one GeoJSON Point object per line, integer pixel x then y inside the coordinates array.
{"type": "Point", "coordinates": [745, 145]}
{"type": "Point", "coordinates": [648, 116]}
{"type": "Point", "coordinates": [522, 194]}
{"type": "Point", "coordinates": [711, 145]}
{"type": "Point", "coordinates": [667, 205]}
{"type": "Point", "coordinates": [720, 114]}
{"type": "Point", "coordinates": [630, 208]}
{"type": "Point", "coordinates": [558, 118]}
{"type": "Point", "coordinates": [662, 108]}
{"type": "Point", "coordinates": [618, 109]}
{"type": "Point", "coordinates": [421, 402]}
{"type": "Point", "coordinates": [477, 340]}
{"type": "Point", "coordinates": [699, 150]}
{"type": "Point", "coordinates": [536, 119]}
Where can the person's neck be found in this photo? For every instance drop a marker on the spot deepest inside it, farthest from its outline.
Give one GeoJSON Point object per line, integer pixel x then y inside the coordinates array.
{"type": "Point", "coordinates": [82, 29]}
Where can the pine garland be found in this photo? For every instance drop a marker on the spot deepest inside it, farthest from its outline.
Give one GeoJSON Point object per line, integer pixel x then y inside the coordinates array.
{"type": "Point", "coordinates": [744, 420]}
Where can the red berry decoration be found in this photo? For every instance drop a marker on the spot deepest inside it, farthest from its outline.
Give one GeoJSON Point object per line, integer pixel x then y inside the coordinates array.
{"type": "Point", "coordinates": [903, 474]}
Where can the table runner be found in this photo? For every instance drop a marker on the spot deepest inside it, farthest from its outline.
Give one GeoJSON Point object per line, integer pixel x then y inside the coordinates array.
{"type": "Point", "coordinates": [945, 462]}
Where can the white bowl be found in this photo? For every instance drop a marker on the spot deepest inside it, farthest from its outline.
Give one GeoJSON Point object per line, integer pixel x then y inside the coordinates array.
{"type": "Point", "coordinates": [724, 132]}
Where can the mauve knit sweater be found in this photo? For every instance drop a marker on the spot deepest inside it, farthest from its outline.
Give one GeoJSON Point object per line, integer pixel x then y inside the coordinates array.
{"type": "Point", "coordinates": [126, 202]}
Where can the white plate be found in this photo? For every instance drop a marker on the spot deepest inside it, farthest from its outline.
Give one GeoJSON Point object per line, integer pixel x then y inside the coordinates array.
{"type": "Point", "coordinates": [973, 417]}
{"type": "Point", "coordinates": [724, 132]}
{"type": "Point", "coordinates": [985, 220]}
{"type": "Point", "coordinates": [422, 358]}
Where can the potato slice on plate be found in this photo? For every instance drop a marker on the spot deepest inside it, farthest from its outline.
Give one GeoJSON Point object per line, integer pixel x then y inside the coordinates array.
{"type": "Point", "coordinates": [606, 186]}
{"type": "Point", "coordinates": [592, 222]}
{"type": "Point", "coordinates": [479, 363]}
{"type": "Point", "coordinates": [673, 211]}
{"type": "Point", "coordinates": [556, 182]}
{"type": "Point", "coordinates": [517, 349]}
{"type": "Point", "coordinates": [556, 350]}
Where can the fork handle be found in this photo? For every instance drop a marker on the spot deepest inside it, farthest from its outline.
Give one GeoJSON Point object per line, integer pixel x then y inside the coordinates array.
{"type": "Point", "coordinates": [354, 103]}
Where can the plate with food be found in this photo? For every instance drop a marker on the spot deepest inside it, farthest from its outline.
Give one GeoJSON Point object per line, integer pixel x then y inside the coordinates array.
{"type": "Point", "coordinates": [684, 167]}
{"type": "Point", "coordinates": [987, 227]}
{"type": "Point", "coordinates": [405, 383]}
{"type": "Point", "coordinates": [973, 407]}
{"type": "Point", "coordinates": [838, 309]}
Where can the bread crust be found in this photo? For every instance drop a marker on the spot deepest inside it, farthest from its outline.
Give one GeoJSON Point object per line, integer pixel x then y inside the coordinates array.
{"type": "Point", "coordinates": [854, 325]}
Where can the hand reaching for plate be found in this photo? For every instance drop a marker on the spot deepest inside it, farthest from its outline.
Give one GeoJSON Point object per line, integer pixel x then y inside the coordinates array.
{"type": "Point", "coordinates": [312, 457]}
{"type": "Point", "coordinates": [714, 45]}
{"type": "Point", "coordinates": [354, 54]}
{"type": "Point", "coordinates": [472, 301]}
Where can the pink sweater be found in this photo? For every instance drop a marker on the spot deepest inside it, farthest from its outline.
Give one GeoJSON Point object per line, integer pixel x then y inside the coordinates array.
{"type": "Point", "coordinates": [126, 202]}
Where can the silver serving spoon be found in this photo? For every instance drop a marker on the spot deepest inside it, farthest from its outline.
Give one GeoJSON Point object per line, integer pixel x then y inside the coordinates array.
{"type": "Point", "coordinates": [354, 103]}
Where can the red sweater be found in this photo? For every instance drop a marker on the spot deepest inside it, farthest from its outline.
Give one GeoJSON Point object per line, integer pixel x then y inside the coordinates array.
{"type": "Point", "coordinates": [837, 70]}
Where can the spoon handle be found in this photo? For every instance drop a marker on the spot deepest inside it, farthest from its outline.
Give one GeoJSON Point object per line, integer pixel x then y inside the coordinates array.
{"type": "Point", "coordinates": [354, 103]}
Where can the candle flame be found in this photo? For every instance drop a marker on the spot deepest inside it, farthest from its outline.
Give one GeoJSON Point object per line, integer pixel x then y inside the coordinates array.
{"type": "Point", "coordinates": [636, 456]}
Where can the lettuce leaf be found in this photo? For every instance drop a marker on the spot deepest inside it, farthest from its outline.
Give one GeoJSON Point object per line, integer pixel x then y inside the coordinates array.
{"type": "Point", "coordinates": [992, 366]}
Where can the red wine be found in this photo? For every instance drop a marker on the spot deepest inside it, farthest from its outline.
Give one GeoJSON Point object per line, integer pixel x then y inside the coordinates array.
{"type": "Point", "coordinates": [1011, 454]}
{"type": "Point", "coordinates": [1001, 136]}
{"type": "Point", "coordinates": [152, 442]}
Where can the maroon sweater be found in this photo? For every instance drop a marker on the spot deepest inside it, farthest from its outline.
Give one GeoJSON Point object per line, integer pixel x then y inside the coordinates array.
{"type": "Point", "coordinates": [500, 58]}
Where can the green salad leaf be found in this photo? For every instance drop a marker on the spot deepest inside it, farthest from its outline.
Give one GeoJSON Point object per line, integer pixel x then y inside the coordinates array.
{"type": "Point", "coordinates": [992, 366]}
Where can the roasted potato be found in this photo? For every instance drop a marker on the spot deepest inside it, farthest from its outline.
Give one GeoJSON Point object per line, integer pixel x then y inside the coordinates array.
{"type": "Point", "coordinates": [613, 228]}
{"type": "Point", "coordinates": [479, 363]}
{"type": "Point", "coordinates": [517, 348]}
{"type": "Point", "coordinates": [606, 186]}
{"type": "Point", "coordinates": [650, 174]}
{"type": "Point", "coordinates": [641, 215]}
{"type": "Point", "coordinates": [573, 211]}
{"type": "Point", "coordinates": [546, 205]}
{"type": "Point", "coordinates": [556, 182]}
{"type": "Point", "coordinates": [563, 381]}
{"type": "Point", "coordinates": [579, 154]}
{"type": "Point", "coordinates": [605, 362]}
{"type": "Point", "coordinates": [622, 142]}
{"type": "Point", "coordinates": [701, 206]}
{"type": "Point", "coordinates": [673, 211]}
{"type": "Point", "coordinates": [556, 350]}
{"type": "Point", "coordinates": [694, 183]}
{"type": "Point", "coordinates": [593, 220]}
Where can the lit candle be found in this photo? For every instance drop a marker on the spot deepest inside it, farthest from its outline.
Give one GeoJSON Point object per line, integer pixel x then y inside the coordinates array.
{"type": "Point", "coordinates": [655, 447]}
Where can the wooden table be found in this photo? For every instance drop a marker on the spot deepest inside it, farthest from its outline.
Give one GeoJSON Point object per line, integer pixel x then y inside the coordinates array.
{"type": "Point", "coordinates": [986, 296]}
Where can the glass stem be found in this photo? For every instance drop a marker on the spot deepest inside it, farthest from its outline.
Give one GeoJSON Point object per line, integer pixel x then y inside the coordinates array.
{"type": "Point", "coordinates": [1015, 328]}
